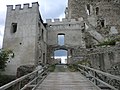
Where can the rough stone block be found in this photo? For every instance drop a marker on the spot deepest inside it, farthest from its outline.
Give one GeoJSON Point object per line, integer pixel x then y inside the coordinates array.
{"type": "Point", "coordinates": [35, 4]}
{"type": "Point", "coordinates": [9, 7]}
{"type": "Point", "coordinates": [73, 20]}
{"type": "Point", "coordinates": [56, 20]}
{"type": "Point", "coordinates": [26, 6]}
{"type": "Point", "coordinates": [80, 19]}
{"type": "Point", "coordinates": [25, 69]}
{"type": "Point", "coordinates": [64, 20]}
{"type": "Point", "coordinates": [18, 7]}
{"type": "Point", "coordinates": [48, 20]}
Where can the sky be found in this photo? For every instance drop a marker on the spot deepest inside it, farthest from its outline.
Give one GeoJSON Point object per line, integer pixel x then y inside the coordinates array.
{"type": "Point", "coordinates": [49, 9]}
{"type": "Point", "coordinates": [60, 53]}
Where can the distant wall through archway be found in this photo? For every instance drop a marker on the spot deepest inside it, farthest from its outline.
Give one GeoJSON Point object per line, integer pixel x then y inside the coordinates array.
{"type": "Point", "coordinates": [61, 56]}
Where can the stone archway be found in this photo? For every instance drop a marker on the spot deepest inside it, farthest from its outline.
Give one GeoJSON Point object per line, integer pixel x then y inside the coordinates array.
{"type": "Point", "coordinates": [52, 48]}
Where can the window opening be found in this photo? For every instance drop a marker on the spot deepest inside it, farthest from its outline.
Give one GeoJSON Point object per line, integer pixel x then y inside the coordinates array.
{"type": "Point", "coordinates": [102, 23]}
{"type": "Point", "coordinates": [88, 9]}
{"type": "Point", "coordinates": [97, 10]}
{"type": "Point", "coordinates": [61, 40]}
{"type": "Point", "coordinates": [42, 34]}
{"type": "Point", "coordinates": [14, 27]}
{"type": "Point", "coordinates": [43, 57]}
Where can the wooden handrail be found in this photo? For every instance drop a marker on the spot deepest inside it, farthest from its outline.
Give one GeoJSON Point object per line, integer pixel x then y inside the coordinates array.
{"type": "Point", "coordinates": [99, 72]}
{"type": "Point", "coordinates": [6, 86]}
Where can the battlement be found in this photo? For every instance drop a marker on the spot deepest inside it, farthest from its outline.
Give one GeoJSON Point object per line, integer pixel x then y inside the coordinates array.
{"type": "Point", "coordinates": [63, 20]}
{"type": "Point", "coordinates": [25, 6]}
{"type": "Point", "coordinates": [65, 24]}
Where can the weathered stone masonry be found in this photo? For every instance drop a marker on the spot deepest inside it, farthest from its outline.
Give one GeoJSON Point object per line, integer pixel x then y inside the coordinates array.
{"type": "Point", "coordinates": [87, 23]}
{"type": "Point", "coordinates": [22, 32]}
{"type": "Point", "coordinates": [104, 58]}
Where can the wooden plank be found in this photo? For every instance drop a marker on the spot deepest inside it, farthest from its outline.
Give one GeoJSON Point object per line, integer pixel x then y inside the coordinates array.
{"type": "Point", "coordinates": [66, 81]}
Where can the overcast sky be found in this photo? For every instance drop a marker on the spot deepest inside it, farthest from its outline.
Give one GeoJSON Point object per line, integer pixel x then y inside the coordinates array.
{"type": "Point", "coordinates": [48, 9]}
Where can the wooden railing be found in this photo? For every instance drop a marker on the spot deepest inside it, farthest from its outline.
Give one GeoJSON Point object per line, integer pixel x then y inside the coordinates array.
{"type": "Point", "coordinates": [102, 79]}
{"type": "Point", "coordinates": [35, 78]}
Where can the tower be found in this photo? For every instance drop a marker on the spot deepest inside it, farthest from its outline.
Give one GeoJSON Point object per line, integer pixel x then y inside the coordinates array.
{"type": "Point", "coordinates": [22, 28]}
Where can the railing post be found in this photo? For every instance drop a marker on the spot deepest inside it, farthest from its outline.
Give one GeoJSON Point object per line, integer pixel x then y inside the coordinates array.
{"type": "Point", "coordinates": [19, 85]}
{"type": "Point", "coordinates": [37, 76]}
{"type": "Point", "coordinates": [94, 78]}
{"type": "Point", "coordinates": [90, 73]}
{"type": "Point", "coordinates": [96, 82]}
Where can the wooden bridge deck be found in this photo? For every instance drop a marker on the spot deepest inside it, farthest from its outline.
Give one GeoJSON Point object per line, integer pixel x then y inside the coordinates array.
{"type": "Point", "coordinates": [66, 81]}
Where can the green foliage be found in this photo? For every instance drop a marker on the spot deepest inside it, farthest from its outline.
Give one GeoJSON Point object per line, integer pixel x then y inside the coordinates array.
{"type": "Point", "coordinates": [72, 68]}
{"type": "Point", "coordinates": [4, 56]}
{"type": "Point", "coordinates": [84, 62]}
{"type": "Point", "coordinates": [52, 68]}
{"type": "Point", "coordinates": [118, 39]}
{"type": "Point", "coordinates": [108, 42]}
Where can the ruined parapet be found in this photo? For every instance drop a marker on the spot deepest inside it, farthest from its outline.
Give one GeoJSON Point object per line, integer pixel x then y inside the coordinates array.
{"type": "Point", "coordinates": [66, 12]}
{"type": "Point", "coordinates": [65, 24]}
{"type": "Point", "coordinates": [19, 8]}
{"type": "Point", "coordinates": [109, 10]}
{"type": "Point", "coordinates": [63, 20]}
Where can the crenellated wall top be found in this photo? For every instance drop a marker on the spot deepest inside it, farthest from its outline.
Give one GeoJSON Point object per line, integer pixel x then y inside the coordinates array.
{"type": "Point", "coordinates": [63, 20]}
{"type": "Point", "coordinates": [25, 6]}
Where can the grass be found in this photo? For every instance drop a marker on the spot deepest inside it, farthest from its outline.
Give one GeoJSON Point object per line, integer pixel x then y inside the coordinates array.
{"type": "Point", "coordinates": [72, 68]}
{"type": "Point", "coordinates": [52, 68]}
{"type": "Point", "coordinates": [110, 42]}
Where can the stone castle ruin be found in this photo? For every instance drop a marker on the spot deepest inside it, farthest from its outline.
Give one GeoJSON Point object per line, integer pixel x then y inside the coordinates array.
{"type": "Point", "coordinates": [87, 26]}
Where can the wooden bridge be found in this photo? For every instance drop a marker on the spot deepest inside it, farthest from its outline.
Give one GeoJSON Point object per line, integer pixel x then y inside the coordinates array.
{"type": "Point", "coordinates": [62, 79]}
{"type": "Point", "coordinates": [66, 81]}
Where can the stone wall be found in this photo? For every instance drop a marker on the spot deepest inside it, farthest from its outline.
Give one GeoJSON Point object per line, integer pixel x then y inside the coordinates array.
{"type": "Point", "coordinates": [106, 10]}
{"type": "Point", "coordinates": [103, 58]}
{"type": "Point", "coordinates": [72, 30]}
{"type": "Point", "coordinates": [41, 45]}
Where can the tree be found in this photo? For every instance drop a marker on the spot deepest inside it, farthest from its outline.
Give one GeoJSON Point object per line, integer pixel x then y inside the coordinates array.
{"type": "Point", "coordinates": [4, 56]}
